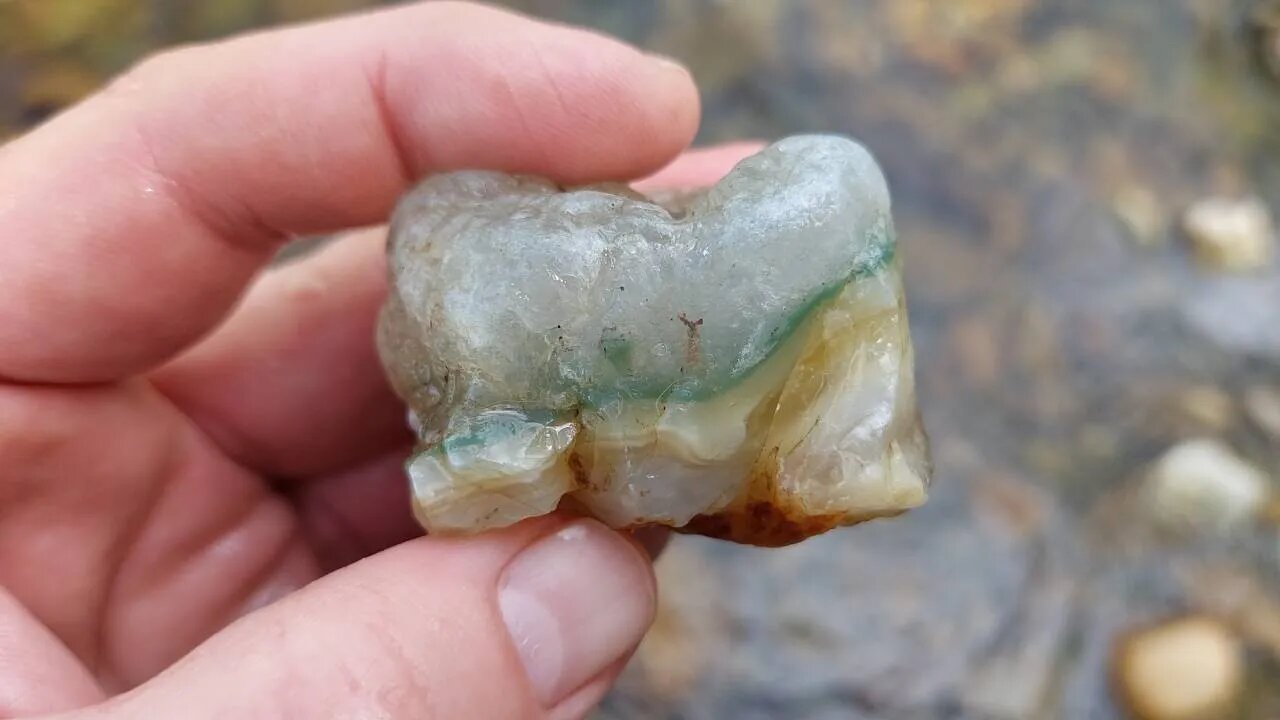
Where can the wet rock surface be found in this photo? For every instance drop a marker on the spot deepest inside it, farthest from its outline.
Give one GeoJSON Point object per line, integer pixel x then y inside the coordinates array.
{"type": "Point", "coordinates": [589, 347]}
{"type": "Point", "coordinates": [1041, 154]}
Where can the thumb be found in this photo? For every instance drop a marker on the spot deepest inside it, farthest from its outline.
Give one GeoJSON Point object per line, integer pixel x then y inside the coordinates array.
{"type": "Point", "coordinates": [531, 622]}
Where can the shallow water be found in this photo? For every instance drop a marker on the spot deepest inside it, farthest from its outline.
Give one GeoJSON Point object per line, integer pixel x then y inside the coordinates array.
{"type": "Point", "coordinates": [1040, 155]}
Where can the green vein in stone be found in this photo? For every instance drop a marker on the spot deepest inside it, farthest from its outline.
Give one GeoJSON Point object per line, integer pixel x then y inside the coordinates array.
{"type": "Point", "coordinates": [881, 251]}
{"type": "Point", "coordinates": [616, 352]}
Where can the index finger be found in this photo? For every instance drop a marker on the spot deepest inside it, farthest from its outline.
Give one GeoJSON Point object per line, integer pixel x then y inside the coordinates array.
{"type": "Point", "coordinates": [131, 224]}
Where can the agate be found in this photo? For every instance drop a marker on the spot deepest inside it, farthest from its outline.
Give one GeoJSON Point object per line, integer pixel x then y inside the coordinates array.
{"type": "Point", "coordinates": [735, 363]}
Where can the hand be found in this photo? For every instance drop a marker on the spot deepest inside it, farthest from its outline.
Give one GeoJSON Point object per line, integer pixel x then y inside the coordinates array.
{"type": "Point", "coordinates": [191, 473]}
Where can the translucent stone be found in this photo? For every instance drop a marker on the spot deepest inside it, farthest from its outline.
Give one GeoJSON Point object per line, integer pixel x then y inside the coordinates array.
{"type": "Point", "coordinates": [736, 363]}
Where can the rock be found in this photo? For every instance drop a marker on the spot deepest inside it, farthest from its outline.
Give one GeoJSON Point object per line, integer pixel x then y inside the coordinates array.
{"type": "Point", "coordinates": [1203, 484]}
{"type": "Point", "coordinates": [688, 368]}
{"type": "Point", "coordinates": [1186, 669]}
{"type": "Point", "coordinates": [1231, 235]}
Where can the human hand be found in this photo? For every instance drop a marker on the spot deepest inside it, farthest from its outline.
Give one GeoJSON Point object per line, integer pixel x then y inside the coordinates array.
{"type": "Point", "coordinates": [198, 484]}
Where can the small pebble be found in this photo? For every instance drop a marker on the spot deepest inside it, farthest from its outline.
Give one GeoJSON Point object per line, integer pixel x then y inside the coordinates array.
{"type": "Point", "coordinates": [1203, 484]}
{"type": "Point", "coordinates": [1191, 668]}
{"type": "Point", "coordinates": [1229, 234]}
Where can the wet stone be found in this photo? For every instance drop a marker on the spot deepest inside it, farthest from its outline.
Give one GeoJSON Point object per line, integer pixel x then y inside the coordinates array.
{"type": "Point", "coordinates": [1203, 484]}
{"type": "Point", "coordinates": [589, 347]}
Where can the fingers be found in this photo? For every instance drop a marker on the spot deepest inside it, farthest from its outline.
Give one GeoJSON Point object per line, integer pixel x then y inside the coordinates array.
{"type": "Point", "coordinates": [350, 515]}
{"type": "Point", "coordinates": [132, 222]}
{"type": "Point", "coordinates": [701, 167]}
{"type": "Point", "coordinates": [291, 384]}
{"type": "Point", "coordinates": [127, 533]}
{"type": "Point", "coordinates": [38, 674]}
{"type": "Point", "coordinates": [522, 623]}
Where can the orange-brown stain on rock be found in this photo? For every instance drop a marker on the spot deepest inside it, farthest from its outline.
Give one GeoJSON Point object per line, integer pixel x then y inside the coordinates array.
{"type": "Point", "coordinates": [762, 523]}
{"type": "Point", "coordinates": [580, 477]}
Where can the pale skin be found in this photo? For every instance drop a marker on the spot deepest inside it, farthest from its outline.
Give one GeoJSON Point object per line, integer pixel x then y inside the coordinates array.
{"type": "Point", "coordinates": [202, 507]}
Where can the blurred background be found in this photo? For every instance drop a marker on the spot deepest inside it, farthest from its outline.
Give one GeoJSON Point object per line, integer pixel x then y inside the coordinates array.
{"type": "Point", "coordinates": [1084, 190]}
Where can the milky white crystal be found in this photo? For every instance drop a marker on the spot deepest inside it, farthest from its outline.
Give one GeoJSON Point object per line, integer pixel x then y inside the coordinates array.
{"type": "Point", "coordinates": [740, 367]}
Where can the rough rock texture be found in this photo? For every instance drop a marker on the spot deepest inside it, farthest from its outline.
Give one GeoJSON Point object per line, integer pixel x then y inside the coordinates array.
{"type": "Point", "coordinates": [741, 368]}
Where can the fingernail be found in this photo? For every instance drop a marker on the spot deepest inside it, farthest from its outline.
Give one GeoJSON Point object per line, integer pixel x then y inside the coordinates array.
{"type": "Point", "coordinates": [575, 602]}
